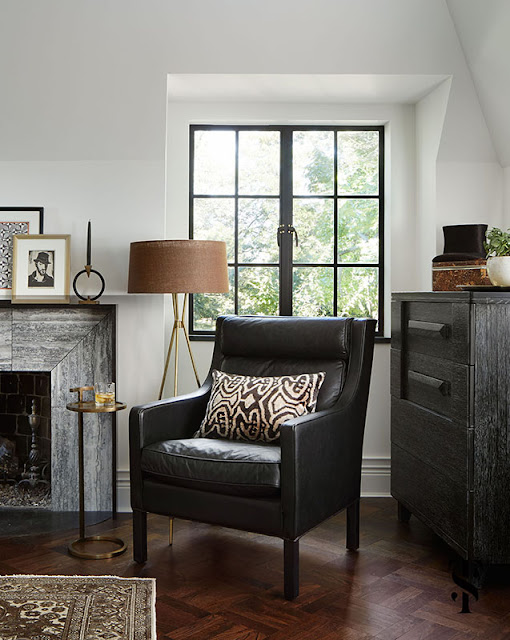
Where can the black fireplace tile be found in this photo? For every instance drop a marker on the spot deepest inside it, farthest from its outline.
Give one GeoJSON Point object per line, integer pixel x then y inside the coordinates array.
{"type": "Point", "coordinates": [26, 383]}
{"type": "Point", "coordinates": [45, 448]}
{"type": "Point", "coordinates": [7, 424]}
{"type": "Point", "coordinates": [22, 448]}
{"type": "Point", "coordinates": [42, 385]}
{"type": "Point", "coordinates": [3, 404]}
{"type": "Point", "coordinates": [45, 410]}
{"type": "Point", "coordinates": [44, 428]}
{"type": "Point", "coordinates": [9, 383]}
{"type": "Point", "coordinates": [15, 403]}
{"type": "Point", "coordinates": [23, 426]}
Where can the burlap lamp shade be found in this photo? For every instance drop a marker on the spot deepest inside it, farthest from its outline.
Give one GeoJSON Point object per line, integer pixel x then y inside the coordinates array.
{"type": "Point", "coordinates": [178, 266]}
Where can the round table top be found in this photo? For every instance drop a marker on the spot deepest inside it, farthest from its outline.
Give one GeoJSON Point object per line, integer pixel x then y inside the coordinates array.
{"type": "Point", "coordinates": [91, 407]}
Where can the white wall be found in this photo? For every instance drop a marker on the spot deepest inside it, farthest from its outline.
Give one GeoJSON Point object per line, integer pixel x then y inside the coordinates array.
{"type": "Point", "coordinates": [469, 193]}
{"type": "Point", "coordinates": [430, 115]}
{"type": "Point", "coordinates": [83, 124]}
{"type": "Point", "coordinates": [506, 199]}
{"type": "Point", "coordinates": [483, 32]}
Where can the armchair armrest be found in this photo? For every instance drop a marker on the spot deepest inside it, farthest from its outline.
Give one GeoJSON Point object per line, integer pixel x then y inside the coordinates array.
{"type": "Point", "coordinates": [321, 465]}
{"type": "Point", "coordinates": [168, 419]}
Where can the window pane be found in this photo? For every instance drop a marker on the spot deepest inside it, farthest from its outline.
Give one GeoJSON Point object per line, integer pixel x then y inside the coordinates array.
{"type": "Point", "coordinates": [358, 162]}
{"type": "Point", "coordinates": [314, 223]}
{"type": "Point", "coordinates": [208, 306]}
{"type": "Point", "coordinates": [214, 163]}
{"type": "Point", "coordinates": [258, 291]}
{"type": "Point", "coordinates": [213, 219]}
{"type": "Point", "coordinates": [259, 163]}
{"type": "Point", "coordinates": [358, 230]}
{"type": "Point", "coordinates": [358, 292]}
{"type": "Point", "coordinates": [312, 162]}
{"type": "Point", "coordinates": [258, 225]}
{"type": "Point", "coordinates": [312, 291]}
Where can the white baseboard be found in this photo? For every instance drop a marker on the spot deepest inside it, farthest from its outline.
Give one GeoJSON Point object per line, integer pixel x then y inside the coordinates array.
{"type": "Point", "coordinates": [375, 477]}
{"type": "Point", "coordinates": [123, 497]}
{"type": "Point", "coordinates": [375, 482]}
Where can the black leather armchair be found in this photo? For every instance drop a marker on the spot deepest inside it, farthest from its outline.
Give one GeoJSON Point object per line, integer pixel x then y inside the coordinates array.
{"type": "Point", "coordinates": [281, 490]}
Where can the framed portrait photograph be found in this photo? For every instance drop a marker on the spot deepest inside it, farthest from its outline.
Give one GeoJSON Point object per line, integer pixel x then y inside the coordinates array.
{"type": "Point", "coordinates": [40, 271]}
{"type": "Point", "coordinates": [15, 221]}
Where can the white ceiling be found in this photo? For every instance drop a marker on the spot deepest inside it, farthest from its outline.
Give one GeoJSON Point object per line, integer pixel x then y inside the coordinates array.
{"type": "Point", "coordinates": [325, 88]}
{"type": "Point", "coordinates": [483, 27]}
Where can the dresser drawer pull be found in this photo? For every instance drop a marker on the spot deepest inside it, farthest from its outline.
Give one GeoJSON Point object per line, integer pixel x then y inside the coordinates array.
{"type": "Point", "coordinates": [443, 386]}
{"type": "Point", "coordinates": [430, 328]}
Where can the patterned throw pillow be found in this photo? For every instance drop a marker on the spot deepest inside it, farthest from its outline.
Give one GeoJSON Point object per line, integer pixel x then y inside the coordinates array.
{"type": "Point", "coordinates": [251, 408]}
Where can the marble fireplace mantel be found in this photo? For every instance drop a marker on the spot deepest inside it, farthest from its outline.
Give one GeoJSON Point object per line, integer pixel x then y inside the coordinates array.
{"type": "Point", "coordinates": [76, 344]}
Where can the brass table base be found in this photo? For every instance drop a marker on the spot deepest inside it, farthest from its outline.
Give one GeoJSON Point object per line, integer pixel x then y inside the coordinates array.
{"type": "Point", "coordinates": [97, 556]}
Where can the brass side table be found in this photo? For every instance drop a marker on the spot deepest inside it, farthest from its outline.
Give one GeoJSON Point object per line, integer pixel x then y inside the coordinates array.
{"type": "Point", "coordinates": [82, 407]}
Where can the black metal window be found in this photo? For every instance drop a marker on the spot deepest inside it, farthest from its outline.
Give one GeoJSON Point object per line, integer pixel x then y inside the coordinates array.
{"type": "Point", "coordinates": [301, 209]}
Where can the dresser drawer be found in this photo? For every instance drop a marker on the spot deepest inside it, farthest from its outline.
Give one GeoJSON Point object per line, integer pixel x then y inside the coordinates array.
{"type": "Point", "coordinates": [437, 441]}
{"type": "Point", "coordinates": [439, 385]}
{"type": "Point", "coordinates": [438, 329]}
{"type": "Point", "coordinates": [431, 496]}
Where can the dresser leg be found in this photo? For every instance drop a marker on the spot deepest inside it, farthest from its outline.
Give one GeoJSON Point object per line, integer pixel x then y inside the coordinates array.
{"type": "Point", "coordinates": [475, 572]}
{"type": "Point", "coordinates": [404, 515]}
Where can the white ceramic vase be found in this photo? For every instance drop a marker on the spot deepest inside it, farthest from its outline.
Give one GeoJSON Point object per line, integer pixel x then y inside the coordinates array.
{"type": "Point", "coordinates": [498, 270]}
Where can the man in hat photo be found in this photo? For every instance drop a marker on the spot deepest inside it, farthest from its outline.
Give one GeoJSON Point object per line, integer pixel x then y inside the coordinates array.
{"type": "Point", "coordinates": [40, 277]}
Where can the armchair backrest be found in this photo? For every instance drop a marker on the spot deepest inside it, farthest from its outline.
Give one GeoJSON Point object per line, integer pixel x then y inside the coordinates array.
{"type": "Point", "coordinates": [275, 346]}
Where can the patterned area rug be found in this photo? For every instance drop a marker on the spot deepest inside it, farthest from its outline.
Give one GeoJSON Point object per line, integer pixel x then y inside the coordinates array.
{"type": "Point", "coordinates": [77, 608]}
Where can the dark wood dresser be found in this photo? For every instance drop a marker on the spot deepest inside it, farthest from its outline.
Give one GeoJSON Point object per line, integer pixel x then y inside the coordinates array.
{"type": "Point", "coordinates": [450, 435]}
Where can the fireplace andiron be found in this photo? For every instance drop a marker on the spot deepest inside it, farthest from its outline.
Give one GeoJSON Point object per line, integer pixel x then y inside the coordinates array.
{"type": "Point", "coordinates": [32, 477]}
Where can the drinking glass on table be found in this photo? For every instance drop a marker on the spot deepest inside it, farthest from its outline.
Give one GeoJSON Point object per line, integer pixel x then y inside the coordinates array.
{"type": "Point", "coordinates": [104, 394]}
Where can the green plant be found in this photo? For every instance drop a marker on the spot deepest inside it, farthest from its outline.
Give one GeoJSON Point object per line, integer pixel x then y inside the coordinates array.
{"type": "Point", "coordinates": [497, 243]}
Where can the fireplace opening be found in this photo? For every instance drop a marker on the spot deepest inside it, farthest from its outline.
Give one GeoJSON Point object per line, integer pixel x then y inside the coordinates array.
{"type": "Point", "coordinates": [25, 439]}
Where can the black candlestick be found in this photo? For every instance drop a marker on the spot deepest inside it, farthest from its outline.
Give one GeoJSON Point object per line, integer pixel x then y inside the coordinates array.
{"type": "Point", "coordinates": [88, 270]}
{"type": "Point", "coordinates": [88, 246]}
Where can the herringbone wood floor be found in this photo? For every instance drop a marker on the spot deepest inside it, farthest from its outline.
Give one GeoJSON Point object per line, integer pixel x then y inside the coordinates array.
{"type": "Point", "coordinates": [228, 585]}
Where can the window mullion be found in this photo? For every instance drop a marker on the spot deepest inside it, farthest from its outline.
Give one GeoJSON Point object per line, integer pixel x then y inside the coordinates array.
{"type": "Point", "coordinates": [286, 239]}
{"type": "Point", "coordinates": [236, 227]}
{"type": "Point", "coordinates": [335, 224]}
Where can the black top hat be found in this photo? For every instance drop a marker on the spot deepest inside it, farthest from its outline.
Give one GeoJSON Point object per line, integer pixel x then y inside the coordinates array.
{"type": "Point", "coordinates": [42, 257]}
{"type": "Point", "coordinates": [463, 242]}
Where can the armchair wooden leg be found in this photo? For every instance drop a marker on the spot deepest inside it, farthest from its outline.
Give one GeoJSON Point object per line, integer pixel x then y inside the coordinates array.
{"type": "Point", "coordinates": [170, 532]}
{"type": "Point", "coordinates": [291, 568]}
{"type": "Point", "coordinates": [352, 538]}
{"type": "Point", "coordinates": [139, 536]}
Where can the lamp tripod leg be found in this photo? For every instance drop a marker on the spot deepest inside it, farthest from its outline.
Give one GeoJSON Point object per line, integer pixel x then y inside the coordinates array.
{"type": "Point", "coordinates": [174, 332]}
{"type": "Point", "coordinates": [178, 323]}
{"type": "Point", "coordinates": [170, 531]}
{"type": "Point", "coordinates": [188, 342]}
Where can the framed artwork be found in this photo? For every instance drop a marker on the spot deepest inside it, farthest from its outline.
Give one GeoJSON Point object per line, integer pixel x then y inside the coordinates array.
{"type": "Point", "coordinates": [40, 269]}
{"type": "Point", "coordinates": [15, 221]}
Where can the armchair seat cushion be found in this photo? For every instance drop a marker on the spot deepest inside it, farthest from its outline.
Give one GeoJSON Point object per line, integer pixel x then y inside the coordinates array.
{"type": "Point", "coordinates": [221, 466]}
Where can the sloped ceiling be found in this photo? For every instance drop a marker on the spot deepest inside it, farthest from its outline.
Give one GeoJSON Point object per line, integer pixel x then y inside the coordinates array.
{"type": "Point", "coordinates": [483, 28]}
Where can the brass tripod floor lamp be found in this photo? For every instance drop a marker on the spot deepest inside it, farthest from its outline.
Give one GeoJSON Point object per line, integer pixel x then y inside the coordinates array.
{"type": "Point", "coordinates": [178, 266]}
